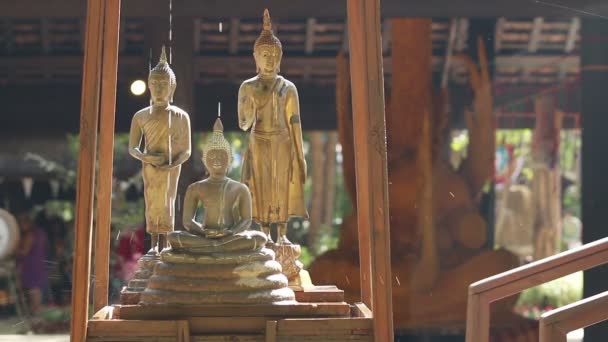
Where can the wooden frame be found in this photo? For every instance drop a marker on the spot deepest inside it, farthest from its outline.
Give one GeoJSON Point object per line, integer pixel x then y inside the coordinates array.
{"type": "Point", "coordinates": [106, 153]}
{"type": "Point", "coordinates": [99, 75]}
{"type": "Point", "coordinates": [484, 292]}
{"type": "Point", "coordinates": [369, 133]}
{"type": "Point", "coordinates": [89, 117]}
{"type": "Point", "coordinates": [102, 30]}
{"type": "Point", "coordinates": [556, 324]}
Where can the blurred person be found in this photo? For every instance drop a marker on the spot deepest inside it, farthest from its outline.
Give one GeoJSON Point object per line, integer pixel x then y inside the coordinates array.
{"type": "Point", "coordinates": [58, 258]}
{"type": "Point", "coordinates": [31, 262]}
{"type": "Point", "coordinates": [130, 248]}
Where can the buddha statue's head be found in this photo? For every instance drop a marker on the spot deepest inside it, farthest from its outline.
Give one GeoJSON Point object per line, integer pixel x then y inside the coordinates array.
{"type": "Point", "coordinates": [267, 50]}
{"type": "Point", "coordinates": [162, 81]}
{"type": "Point", "coordinates": [217, 153]}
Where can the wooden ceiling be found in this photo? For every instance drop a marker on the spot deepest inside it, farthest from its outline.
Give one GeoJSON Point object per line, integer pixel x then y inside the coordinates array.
{"type": "Point", "coordinates": [38, 53]}
{"type": "Point", "coordinates": [315, 8]}
{"type": "Point", "coordinates": [47, 50]}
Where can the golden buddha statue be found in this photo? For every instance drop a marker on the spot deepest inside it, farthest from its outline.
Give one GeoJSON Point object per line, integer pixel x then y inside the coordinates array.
{"type": "Point", "coordinates": [217, 260]}
{"type": "Point", "coordinates": [274, 167]}
{"type": "Point", "coordinates": [165, 130]}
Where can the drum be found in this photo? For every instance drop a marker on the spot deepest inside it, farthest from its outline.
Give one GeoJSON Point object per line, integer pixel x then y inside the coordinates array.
{"type": "Point", "coordinates": [9, 234]}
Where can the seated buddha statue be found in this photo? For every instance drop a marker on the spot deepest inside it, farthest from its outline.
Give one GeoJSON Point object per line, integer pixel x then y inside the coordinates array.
{"type": "Point", "coordinates": [217, 260]}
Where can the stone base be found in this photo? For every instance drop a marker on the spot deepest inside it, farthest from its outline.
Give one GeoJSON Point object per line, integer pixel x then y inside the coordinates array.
{"type": "Point", "coordinates": [131, 293]}
{"type": "Point", "coordinates": [287, 256]}
{"type": "Point", "coordinates": [184, 278]}
{"type": "Point", "coordinates": [129, 297]}
{"type": "Point", "coordinates": [301, 282]}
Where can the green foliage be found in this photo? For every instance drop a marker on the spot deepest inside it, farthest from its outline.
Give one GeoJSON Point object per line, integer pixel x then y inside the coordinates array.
{"type": "Point", "coordinates": [556, 293]}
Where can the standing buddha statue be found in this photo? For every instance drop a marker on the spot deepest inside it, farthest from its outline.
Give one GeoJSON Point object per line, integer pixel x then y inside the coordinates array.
{"type": "Point", "coordinates": [274, 167]}
{"type": "Point", "coordinates": [165, 130]}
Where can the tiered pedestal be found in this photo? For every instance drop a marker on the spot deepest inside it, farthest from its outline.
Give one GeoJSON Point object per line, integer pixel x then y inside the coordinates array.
{"type": "Point", "coordinates": [320, 314]}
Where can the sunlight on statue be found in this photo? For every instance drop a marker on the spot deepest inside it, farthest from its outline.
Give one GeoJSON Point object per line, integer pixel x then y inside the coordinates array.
{"type": "Point", "coordinates": [217, 260]}
{"type": "Point", "coordinates": [226, 203]}
{"type": "Point", "coordinates": [165, 131]}
{"type": "Point", "coordinates": [274, 167]}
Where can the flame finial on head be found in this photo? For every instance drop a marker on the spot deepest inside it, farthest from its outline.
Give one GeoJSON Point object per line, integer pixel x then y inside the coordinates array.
{"type": "Point", "coordinates": [163, 68]}
{"type": "Point", "coordinates": [218, 126]}
{"type": "Point", "coordinates": [267, 37]}
{"type": "Point", "coordinates": [267, 23]}
{"type": "Point", "coordinates": [217, 141]}
{"type": "Point", "coordinates": [163, 56]}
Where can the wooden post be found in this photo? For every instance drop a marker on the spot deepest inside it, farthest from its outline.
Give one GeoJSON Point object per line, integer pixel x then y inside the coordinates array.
{"type": "Point", "coordinates": [546, 184]}
{"type": "Point", "coordinates": [89, 116]}
{"type": "Point", "coordinates": [183, 62]}
{"type": "Point", "coordinates": [106, 153]}
{"type": "Point", "coordinates": [410, 145]}
{"type": "Point", "coordinates": [594, 80]}
{"type": "Point", "coordinates": [317, 204]}
{"type": "Point", "coordinates": [367, 80]}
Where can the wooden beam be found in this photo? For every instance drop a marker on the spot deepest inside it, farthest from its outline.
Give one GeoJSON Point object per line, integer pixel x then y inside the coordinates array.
{"type": "Point", "coordinates": [489, 290]}
{"type": "Point", "coordinates": [462, 34]}
{"type": "Point", "coordinates": [445, 75]}
{"type": "Point", "coordinates": [89, 117]}
{"type": "Point", "coordinates": [556, 324]}
{"type": "Point", "coordinates": [500, 27]}
{"type": "Point", "coordinates": [106, 153]}
{"type": "Point", "coordinates": [310, 8]}
{"type": "Point", "coordinates": [535, 35]}
{"type": "Point", "coordinates": [367, 79]}
{"type": "Point", "coordinates": [233, 48]}
{"type": "Point", "coordinates": [573, 31]}
{"type": "Point", "coordinates": [310, 36]}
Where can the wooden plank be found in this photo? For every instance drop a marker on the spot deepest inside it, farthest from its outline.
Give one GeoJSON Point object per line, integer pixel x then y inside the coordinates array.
{"type": "Point", "coordinates": [577, 259]}
{"type": "Point", "coordinates": [183, 331]}
{"type": "Point", "coordinates": [121, 328]}
{"type": "Point", "coordinates": [550, 333]}
{"type": "Point", "coordinates": [320, 294]}
{"type": "Point", "coordinates": [505, 284]}
{"type": "Point", "coordinates": [89, 116]}
{"type": "Point", "coordinates": [360, 310]}
{"type": "Point", "coordinates": [535, 34]}
{"type": "Point", "coordinates": [577, 315]}
{"type": "Point", "coordinates": [573, 33]}
{"type": "Point", "coordinates": [367, 80]}
{"type": "Point", "coordinates": [235, 325]}
{"type": "Point", "coordinates": [271, 331]}
{"type": "Point", "coordinates": [106, 153]}
{"type": "Point", "coordinates": [311, 24]}
{"type": "Point", "coordinates": [131, 339]}
{"type": "Point", "coordinates": [445, 75]}
{"type": "Point", "coordinates": [106, 313]}
{"type": "Point", "coordinates": [325, 326]}
{"type": "Point", "coordinates": [264, 310]}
